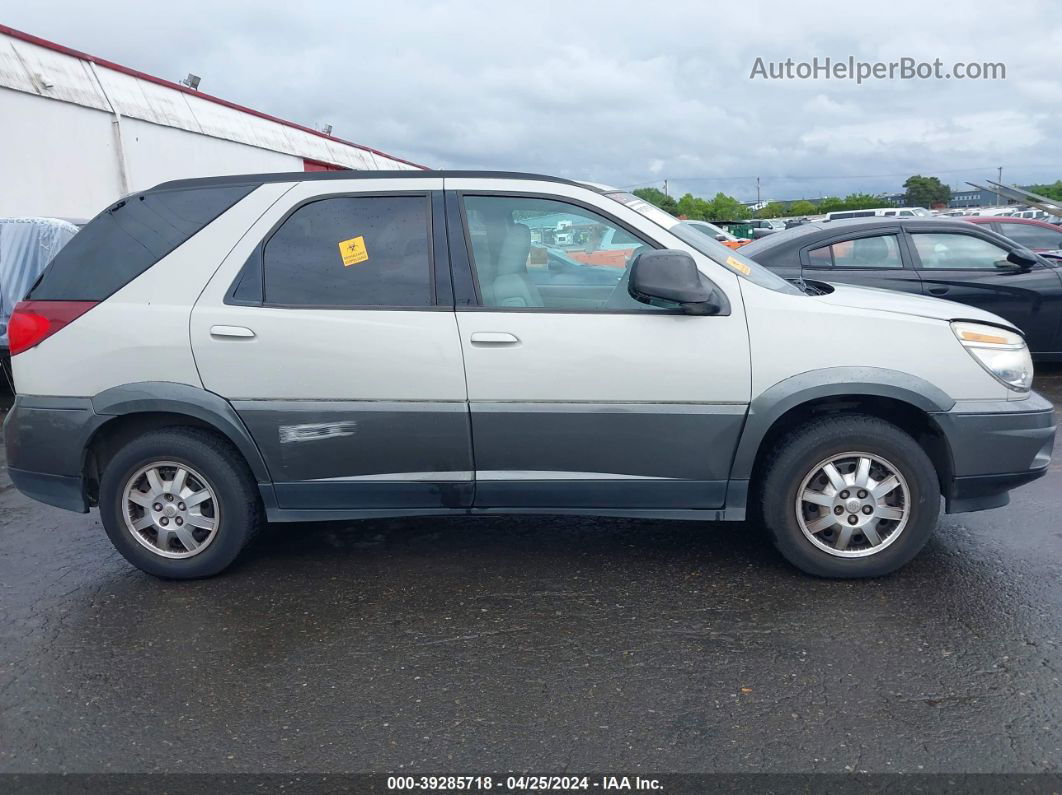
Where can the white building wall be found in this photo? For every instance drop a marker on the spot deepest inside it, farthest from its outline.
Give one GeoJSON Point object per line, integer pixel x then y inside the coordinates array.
{"type": "Point", "coordinates": [59, 152]}
{"type": "Point", "coordinates": [156, 154]}
{"type": "Point", "coordinates": [56, 159]}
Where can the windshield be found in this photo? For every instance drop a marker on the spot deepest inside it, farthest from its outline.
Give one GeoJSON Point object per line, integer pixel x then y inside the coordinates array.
{"type": "Point", "coordinates": [711, 230]}
{"type": "Point", "coordinates": [729, 258]}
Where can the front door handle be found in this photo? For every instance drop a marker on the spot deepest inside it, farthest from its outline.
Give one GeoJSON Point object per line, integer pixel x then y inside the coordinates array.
{"type": "Point", "coordinates": [240, 332]}
{"type": "Point", "coordinates": [494, 338]}
{"type": "Point", "coordinates": [938, 290]}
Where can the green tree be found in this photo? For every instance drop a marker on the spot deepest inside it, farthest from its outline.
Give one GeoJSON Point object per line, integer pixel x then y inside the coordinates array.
{"type": "Point", "coordinates": [719, 208]}
{"type": "Point", "coordinates": [864, 201]}
{"type": "Point", "coordinates": [691, 207]}
{"type": "Point", "coordinates": [1049, 191]}
{"type": "Point", "coordinates": [926, 191]}
{"type": "Point", "coordinates": [802, 207]}
{"type": "Point", "coordinates": [726, 208]}
{"type": "Point", "coordinates": [659, 198]}
{"type": "Point", "coordinates": [831, 203]}
{"type": "Point", "coordinates": [773, 210]}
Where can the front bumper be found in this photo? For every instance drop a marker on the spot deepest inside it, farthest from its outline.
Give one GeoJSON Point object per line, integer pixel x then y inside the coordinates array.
{"type": "Point", "coordinates": [995, 446]}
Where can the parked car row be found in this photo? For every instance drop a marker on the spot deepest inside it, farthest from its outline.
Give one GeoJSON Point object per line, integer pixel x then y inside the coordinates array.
{"type": "Point", "coordinates": [880, 212]}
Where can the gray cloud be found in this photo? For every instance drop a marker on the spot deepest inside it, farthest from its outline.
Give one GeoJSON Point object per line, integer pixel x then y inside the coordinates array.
{"type": "Point", "coordinates": [618, 92]}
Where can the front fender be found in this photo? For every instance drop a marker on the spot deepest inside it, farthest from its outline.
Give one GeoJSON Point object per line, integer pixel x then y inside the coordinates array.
{"type": "Point", "coordinates": [767, 407]}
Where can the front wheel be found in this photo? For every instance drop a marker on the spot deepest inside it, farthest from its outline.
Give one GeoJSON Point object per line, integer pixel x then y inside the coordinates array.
{"type": "Point", "coordinates": [849, 496]}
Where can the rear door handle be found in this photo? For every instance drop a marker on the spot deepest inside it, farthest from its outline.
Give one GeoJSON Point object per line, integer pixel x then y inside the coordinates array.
{"type": "Point", "coordinates": [231, 331]}
{"type": "Point", "coordinates": [938, 290]}
{"type": "Point", "coordinates": [494, 338]}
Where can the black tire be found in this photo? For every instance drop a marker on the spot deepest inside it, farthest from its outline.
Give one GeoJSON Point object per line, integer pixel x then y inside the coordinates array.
{"type": "Point", "coordinates": [795, 456]}
{"type": "Point", "coordinates": [222, 466]}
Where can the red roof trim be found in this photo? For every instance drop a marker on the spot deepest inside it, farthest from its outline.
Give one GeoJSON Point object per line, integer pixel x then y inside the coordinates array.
{"type": "Point", "coordinates": [1007, 219]}
{"type": "Point", "coordinates": [51, 45]}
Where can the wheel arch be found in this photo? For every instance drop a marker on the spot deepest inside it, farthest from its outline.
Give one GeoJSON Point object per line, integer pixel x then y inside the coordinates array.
{"type": "Point", "coordinates": [903, 399]}
{"type": "Point", "coordinates": [131, 409]}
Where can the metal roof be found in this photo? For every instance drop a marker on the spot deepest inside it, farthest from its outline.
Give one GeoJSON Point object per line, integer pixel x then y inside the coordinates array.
{"type": "Point", "coordinates": [37, 66]}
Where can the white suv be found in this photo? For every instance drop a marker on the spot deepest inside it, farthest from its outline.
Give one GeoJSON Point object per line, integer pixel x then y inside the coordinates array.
{"type": "Point", "coordinates": [215, 352]}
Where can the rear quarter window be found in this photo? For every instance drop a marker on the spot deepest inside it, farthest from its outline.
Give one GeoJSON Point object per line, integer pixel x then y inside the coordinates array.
{"type": "Point", "coordinates": [128, 238]}
{"type": "Point", "coordinates": [1032, 235]}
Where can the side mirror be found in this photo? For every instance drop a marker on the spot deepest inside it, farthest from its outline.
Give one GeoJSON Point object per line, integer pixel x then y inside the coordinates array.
{"type": "Point", "coordinates": [671, 275]}
{"type": "Point", "coordinates": [720, 238]}
{"type": "Point", "coordinates": [1022, 258]}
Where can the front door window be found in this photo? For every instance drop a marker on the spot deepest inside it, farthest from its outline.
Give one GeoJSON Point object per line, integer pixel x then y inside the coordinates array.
{"type": "Point", "coordinates": [533, 253]}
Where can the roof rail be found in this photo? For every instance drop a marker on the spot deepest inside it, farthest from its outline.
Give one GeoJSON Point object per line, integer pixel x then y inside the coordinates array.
{"type": "Point", "coordinates": [315, 176]}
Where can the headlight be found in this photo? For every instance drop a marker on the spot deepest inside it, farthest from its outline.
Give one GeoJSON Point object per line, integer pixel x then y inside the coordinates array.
{"type": "Point", "coordinates": [1002, 353]}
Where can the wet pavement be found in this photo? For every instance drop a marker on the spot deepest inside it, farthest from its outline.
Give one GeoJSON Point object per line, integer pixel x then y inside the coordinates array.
{"type": "Point", "coordinates": [545, 644]}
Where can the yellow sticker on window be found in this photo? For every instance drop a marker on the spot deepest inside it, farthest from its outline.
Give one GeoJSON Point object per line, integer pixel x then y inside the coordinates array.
{"type": "Point", "coordinates": [353, 251]}
{"type": "Point", "coordinates": [738, 265]}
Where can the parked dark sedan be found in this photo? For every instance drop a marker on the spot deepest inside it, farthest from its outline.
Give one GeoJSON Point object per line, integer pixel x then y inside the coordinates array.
{"type": "Point", "coordinates": [949, 259]}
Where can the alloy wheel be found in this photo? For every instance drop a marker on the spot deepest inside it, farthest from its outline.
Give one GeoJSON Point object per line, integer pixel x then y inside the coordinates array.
{"type": "Point", "coordinates": [171, 509]}
{"type": "Point", "coordinates": [853, 505]}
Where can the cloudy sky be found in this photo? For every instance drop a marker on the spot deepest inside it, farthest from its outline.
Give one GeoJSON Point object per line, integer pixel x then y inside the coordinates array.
{"type": "Point", "coordinates": [618, 92]}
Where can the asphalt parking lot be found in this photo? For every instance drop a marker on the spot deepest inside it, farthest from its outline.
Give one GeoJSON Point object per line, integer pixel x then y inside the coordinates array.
{"type": "Point", "coordinates": [537, 644]}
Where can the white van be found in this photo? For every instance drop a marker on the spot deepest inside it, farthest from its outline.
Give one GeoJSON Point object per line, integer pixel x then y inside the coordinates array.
{"type": "Point", "coordinates": [213, 353]}
{"type": "Point", "coordinates": [880, 212]}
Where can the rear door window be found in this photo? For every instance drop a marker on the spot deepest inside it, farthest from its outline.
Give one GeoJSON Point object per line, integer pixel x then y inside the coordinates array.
{"type": "Point", "coordinates": [879, 251]}
{"type": "Point", "coordinates": [351, 251]}
{"type": "Point", "coordinates": [947, 251]}
{"type": "Point", "coordinates": [129, 237]}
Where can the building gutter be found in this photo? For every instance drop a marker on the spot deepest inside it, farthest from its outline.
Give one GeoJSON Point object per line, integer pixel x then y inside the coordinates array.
{"type": "Point", "coordinates": [123, 165]}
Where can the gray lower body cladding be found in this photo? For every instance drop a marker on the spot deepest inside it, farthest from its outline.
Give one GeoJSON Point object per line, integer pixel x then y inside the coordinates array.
{"type": "Point", "coordinates": [46, 440]}
{"type": "Point", "coordinates": [604, 454]}
{"type": "Point", "coordinates": [371, 454]}
{"type": "Point", "coordinates": [995, 447]}
{"type": "Point", "coordinates": [323, 459]}
{"type": "Point", "coordinates": [374, 454]}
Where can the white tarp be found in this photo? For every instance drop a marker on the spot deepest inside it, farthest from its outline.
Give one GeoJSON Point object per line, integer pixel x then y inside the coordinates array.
{"type": "Point", "coordinates": [27, 245]}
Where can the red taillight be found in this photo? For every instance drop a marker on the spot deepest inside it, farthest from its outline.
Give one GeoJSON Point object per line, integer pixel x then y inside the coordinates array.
{"type": "Point", "coordinates": [32, 322]}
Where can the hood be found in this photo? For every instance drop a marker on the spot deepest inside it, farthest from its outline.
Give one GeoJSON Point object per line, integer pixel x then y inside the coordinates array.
{"type": "Point", "coordinates": [907, 304]}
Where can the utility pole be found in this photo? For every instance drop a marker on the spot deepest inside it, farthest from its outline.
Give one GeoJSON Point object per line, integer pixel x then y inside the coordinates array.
{"type": "Point", "coordinates": [999, 181]}
{"type": "Point", "coordinates": [757, 193]}
{"type": "Point", "coordinates": [665, 188]}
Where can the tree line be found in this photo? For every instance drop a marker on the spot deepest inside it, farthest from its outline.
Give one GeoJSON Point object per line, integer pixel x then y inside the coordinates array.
{"type": "Point", "coordinates": [919, 191]}
{"type": "Point", "coordinates": [1052, 191]}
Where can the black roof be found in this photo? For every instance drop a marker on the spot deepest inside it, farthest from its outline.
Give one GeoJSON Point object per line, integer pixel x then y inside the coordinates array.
{"type": "Point", "coordinates": [315, 176]}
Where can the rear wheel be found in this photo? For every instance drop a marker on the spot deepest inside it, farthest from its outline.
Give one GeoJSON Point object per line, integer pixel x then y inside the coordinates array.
{"type": "Point", "coordinates": [179, 503]}
{"type": "Point", "coordinates": [849, 496]}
